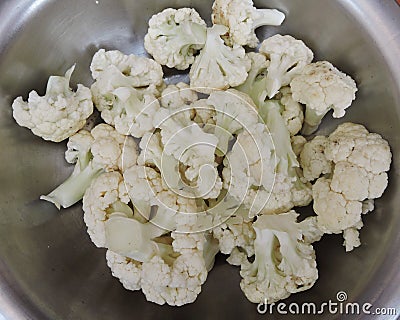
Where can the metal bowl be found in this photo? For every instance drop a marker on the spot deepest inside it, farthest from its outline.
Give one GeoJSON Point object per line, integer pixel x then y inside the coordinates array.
{"type": "Point", "coordinates": [49, 269]}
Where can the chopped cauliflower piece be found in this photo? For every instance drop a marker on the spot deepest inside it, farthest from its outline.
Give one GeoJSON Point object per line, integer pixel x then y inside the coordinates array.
{"type": "Point", "coordinates": [59, 114]}
{"type": "Point", "coordinates": [242, 18]}
{"type": "Point", "coordinates": [174, 37]}
{"type": "Point", "coordinates": [288, 56]}
{"type": "Point", "coordinates": [322, 87]}
{"type": "Point", "coordinates": [218, 66]}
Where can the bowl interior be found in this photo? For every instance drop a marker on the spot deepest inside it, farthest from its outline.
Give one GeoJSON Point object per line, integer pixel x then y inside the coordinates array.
{"type": "Point", "coordinates": [49, 269]}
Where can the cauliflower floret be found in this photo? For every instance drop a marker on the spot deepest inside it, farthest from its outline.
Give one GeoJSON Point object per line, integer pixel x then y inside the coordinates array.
{"type": "Point", "coordinates": [255, 84]}
{"type": "Point", "coordinates": [125, 90]}
{"type": "Point", "coordinates": [292, 111]}
{"type": "Point", "coordinates": [175, 36]}
{"type": "Point", "coordinates": [140, 71]}
{"type": "Point", "coordinates": [147, 188]}
{"type": "Point", "coordinates": [322, 87]}
{"type": "Point", "coordinates": [187, 142]}
{"type": "Point", "coordinates": [298, 143]}
{"type": "Point", "coordinates": [353, 143]}
{"type": "Point", "coordinates": [57, 115]}
{"type": "Point", "coordinates": [105, 196]}
{"type": "Point", "coordinates": [234, 112]}
{"type": "Point", "coordinates": [242, 18]}
{"type": "Point", "coordinates": [177, 95]}
{"type": "Point", "coordinates": [313, 160]}
{"type": "Point", "coordinates": [356, 162]}
{"type": "Point", "coordinates": [236, 232]}
{"type": "Point", "coordinates": [128, 271]}
{"type": "Point", "coordinates": [218, 66]}
{"type": "Point", "coordinates": [100, 150]}
{"type": "Point", "coordinates": [283, 264]}
{"type": "Point", "coordinates": [288, 56]}
{"type": "Point", "coordinates": [335, 212]}
{"type": "Point", "coordinates": [184, 267]}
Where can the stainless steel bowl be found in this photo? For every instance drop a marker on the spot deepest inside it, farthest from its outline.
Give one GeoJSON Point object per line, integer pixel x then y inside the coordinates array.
{"type": "Point", "coordinates": [48, 267]}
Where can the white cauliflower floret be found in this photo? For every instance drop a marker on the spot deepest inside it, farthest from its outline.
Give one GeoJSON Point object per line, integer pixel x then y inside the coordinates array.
{"type": "Point", "coordinates": [187, 142]}
{"type": "Point", "coordinates": [283, 264]}
{"type": "Point", "coordinates": [218, 66]}
{"type": "Point", "coordinates": [174, 37]}
{"type": "Point", "coordinates": [125, 91]}
{"type": "Point", "coordinates": [105, 196]}
{"type": "Point", "coordinates": [139, 71]}
{"type": "Point", "coordinates": [353, 143]}
{"type": "Point", "coordinates": [288, 56]}
{"type": "Point", "coordinates": [128, 271]}
{"type": "Point", "coordinates": [147, 188]}
{"type": "Point", "coordinates": [177, 95]}
{"type": "Point", "coordinates": [100, 150]}
{"type": "Point", "coordinates": [298, 143]}
{"type": "Point", "coordinates": [57, 115]}
{"type": "Point", "coordinates": [356, 162]}
{"type": "Point", "coordinates": [234, 112]}
{"type": "Point", "coordinates": [176, 277]}
{"type": "Point", "coordinates": [173, 288]}
{"type": "Point", "coordinates": [322, 87]}
{"type": "Point", "coordinates": [313, 160]}
{"type": "Point", "coordinates": [292, 112]}
{"type": "Point", "coordinates": [256, 86]}
{"type": "Point", "coordinates": [335, 212]}
{"type": "Point", "coordinates": [236, 232]}
{"type": "Point", "coordinates": [242, 18]}
{"type": "Point", "coordinates": [356, 183]}
{"type": "Point", "coordinates": [256, 82]}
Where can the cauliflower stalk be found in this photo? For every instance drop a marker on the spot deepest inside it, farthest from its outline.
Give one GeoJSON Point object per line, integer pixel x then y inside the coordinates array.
{"type": "Point", "coordinates": [100, 150]}
{"type": "Point", "coordinates": [242, 18]}
{"type": "Point", "coordinates": [57, 115]}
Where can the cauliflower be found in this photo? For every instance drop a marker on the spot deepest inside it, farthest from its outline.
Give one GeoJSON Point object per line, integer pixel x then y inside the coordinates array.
{"type": "Point", "coordinates": [236, 232]}
{"type": "Point", "coordinates": [105, 196]}
{"type": "Point", "coordinates": [176, 269]}
{"type": "Point", "coordinates": [184, 268]}
{"type": "Point", "coordinates": [266, 181]}
{"type": "Point", "coordinates": [194, 148]}
{"type": "Point", "coordinates": [175, 36]}
{"type": "Point", "coordinates": [57, 115]}
{"type": "Point", "coordinates": [125, 90]}
{"type": "Point", "coordinates": [360, 161]}
{"type": "Point", "coordinates": [288, 56]}
{"type": "Point", "coordinates": [242, 18]}
{"type": "Point", "coordinates": [177, 95]}
{"type": "Point", "coordinates": [313, 160]}
{"type": "Point", "coordinates": [146, 185]}
{"type": "Point", "coordinates": [234, 112]}
{"type": "Point", "coordinates": [218, 66]}
{"type": "Point", "coordinates": [284, 263]}
{"type": "Point", "coordinates": [256, 82]}
{"type": "Point", "coordinates": [292, 111]}
{"type": "Point", "coordinates": [127, 270]}
{"type": "Point", "coordinates": [139, 71]}
{"type": "Point", "coordinates": [298, 143]}
{"type": "Point", "coordinates": [256, 87]}
{"type": "Point", "coordinates": [100, 150]}
{"type": "Point", "coordinates": [322, 87]}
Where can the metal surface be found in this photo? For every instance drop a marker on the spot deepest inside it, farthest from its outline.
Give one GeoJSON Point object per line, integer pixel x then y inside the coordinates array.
{"type": "Point", "coordinates": [48, 267]}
